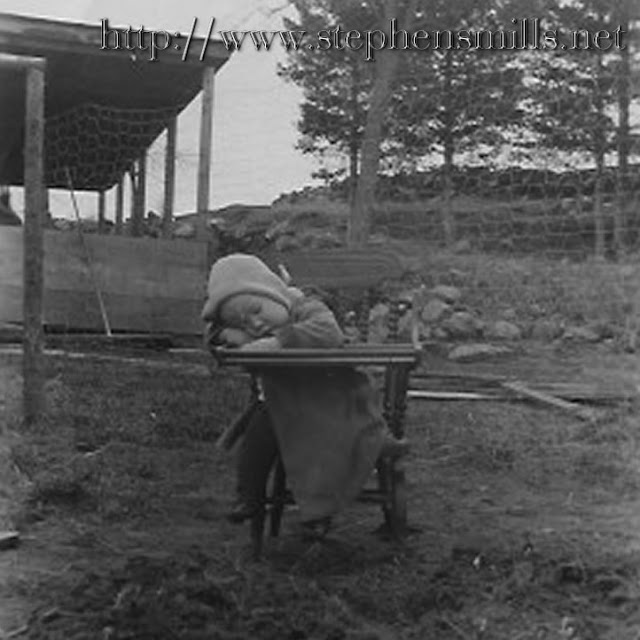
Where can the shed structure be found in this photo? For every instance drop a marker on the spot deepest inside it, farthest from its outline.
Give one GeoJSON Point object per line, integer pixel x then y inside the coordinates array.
{"type": "Point", "coordinates": [79, 108]}
{"type": "Point", "coordinates": [103, 107]}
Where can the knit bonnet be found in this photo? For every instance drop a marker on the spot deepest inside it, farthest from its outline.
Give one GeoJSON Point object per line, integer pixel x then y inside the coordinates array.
{"type": "Point", "coordinates": [241, 273]}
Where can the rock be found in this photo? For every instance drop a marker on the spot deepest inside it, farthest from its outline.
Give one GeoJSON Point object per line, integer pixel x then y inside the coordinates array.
{"type": "Point", "coordinates": [606, 330]}
{"type": "Point", "coordinates": [509, 314]}
{"type": "Point", "coordinates": [9, 540]}
{"type": "Point", "coordinates": [462, 246]}
{"type": "Point", "coordinates": [629, 341]}
{"type": "Point", "coordinates": [479, 351]}
{"type": "Point", "coordinates": [439, 334]}
{"type": "Point", "coordinates": [447, 293]}
{"type": "Point", "coordinates": [536, 310]}
{"type": "Point", "coordinates": [507, 244]}
{"type": "Point", "coordinates": [461, 324]}
{"type": "Point", "coordinates": [546, 330]}
{"type": "Point", "coordinates": [424, 332]}
{"type": "Point", "coordinates": [378, 327]}
{"type": "Point", "coordinates": [628, 271]}
{"type": "Point", "coordinates": [287, 243]}
{"type": "Point", "coordinates": [278, 228]}
{"type": "Point", "coordinates": [378, 334]}
{"type": "Point", "coordinates": [378, 238]}
{"type": "Point", "coordinates": [434, 310]}
{"type": "Point", "coordinates": [351, 334]}
{"type": "Point", "coordinates": [184, 230]}
{"type": "Point", "coordinates": [502, 330]}
{"type": "Point", "coordinates": [319, 239]}
{"type": "Point", "coordinates": [405, 327]}
{"type": "Point", "coordinates": [457, 275]}
{"type": "Point", "coordinates": [581, 334]}
{"type": "Point", "coordinates": [408, 295]}
{"type": "Point", "coordinates": [379, 312]}
{"type": "Point", "coordinates": [62, 224]}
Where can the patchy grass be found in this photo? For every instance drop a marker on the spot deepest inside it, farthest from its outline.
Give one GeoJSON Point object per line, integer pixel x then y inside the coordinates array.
{"type": "Point", "coordinates": [527, 524]}
{"type": "Point", "coordinates": [602, 294]}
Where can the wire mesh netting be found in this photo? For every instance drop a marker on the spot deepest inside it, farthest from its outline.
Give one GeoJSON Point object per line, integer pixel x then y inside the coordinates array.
{"type": "Point", "coordinates": [97, 143]}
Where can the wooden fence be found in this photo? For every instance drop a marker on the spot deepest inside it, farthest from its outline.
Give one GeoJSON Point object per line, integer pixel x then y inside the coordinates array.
{"type": "Point", "coordinates": [147, 285]}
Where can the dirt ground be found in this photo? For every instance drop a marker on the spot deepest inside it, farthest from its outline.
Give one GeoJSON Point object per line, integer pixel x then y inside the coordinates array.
{"type": "Point", "coordinates": [527, 519]}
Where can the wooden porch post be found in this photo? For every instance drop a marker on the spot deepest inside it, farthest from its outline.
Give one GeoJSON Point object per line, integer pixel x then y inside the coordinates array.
{"type": "Point", "coordinates": [101, 211]}
{"type": "Point", "coordinates": [138, 194]}
{"type": "Point", "coordinates": [33, 399]}
{"type": "Point", "coordinates": [33, 392]}
{"type": "Point", "coordinates": [133, 172]}
{"type": "Point", "coordinates": [119, 205]}
{"type": "Point", "coordinates": [169, 178]}
{"type": "Point", "coordinates": [206, 138]}
{"type": "Point", "coordinates": [142, 190]}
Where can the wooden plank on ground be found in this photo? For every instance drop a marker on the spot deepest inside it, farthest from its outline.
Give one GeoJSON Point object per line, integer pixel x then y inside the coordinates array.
{"type": "Point", "coordinates": [452, 396]}
{"type": "Point", "coordinates": [591, 392]}
{"type": "Point", "coordinates": [522, 390]}
{"type": "Point", "coordinates": [588, 392]}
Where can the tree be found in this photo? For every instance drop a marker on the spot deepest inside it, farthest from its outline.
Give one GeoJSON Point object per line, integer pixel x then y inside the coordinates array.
{"type": "Point", "coordinates": [405, 104]}
{"type": "Point", "coordinates": [336, 85]}
{"type": "Point", "coordinates": [346, 96]}
{"type": "Point", "coordinates": [623, 12]}
{"type": "Point", "coordinates": [384, 70]}
{"type": "Point", "coordinates": [433, 15]}
{"type": "Point", "coordinates": [456, 101]}
{"type": "Point", "coordinates": [573, 97]}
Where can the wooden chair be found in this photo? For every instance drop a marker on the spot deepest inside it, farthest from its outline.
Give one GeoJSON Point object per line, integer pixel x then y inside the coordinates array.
{"type": "Point", "coordinates": [350, 281]}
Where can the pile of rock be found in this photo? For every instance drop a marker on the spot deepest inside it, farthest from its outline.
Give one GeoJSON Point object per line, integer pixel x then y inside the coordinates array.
{"type": "Point", "coordinates": [443, 317]}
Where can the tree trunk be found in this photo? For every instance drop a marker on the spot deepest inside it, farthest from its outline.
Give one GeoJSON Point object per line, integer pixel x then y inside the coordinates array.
{"type": "Point", "coordinates": [624, 72]}
{"type": "Point", "coordinates": [353, 170]}
{"type": "Point", "coordinates": [362, 206]}
{"type": "Point", "coordinates": [599, 146]}
{"type": "Point", "coordinates": [354, 142]}
{"type": "Point", "coordinates": [448, 222]}
{"type": "Point", "coordinates": [598, 214]}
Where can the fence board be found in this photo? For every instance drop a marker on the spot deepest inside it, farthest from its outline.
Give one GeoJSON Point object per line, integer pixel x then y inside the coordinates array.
{"type": "Point", "coordinates": [149, 285]}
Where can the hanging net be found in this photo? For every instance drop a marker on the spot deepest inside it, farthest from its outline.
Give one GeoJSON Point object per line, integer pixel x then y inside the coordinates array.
{"type": "Point", "coordinates": [97, 144]}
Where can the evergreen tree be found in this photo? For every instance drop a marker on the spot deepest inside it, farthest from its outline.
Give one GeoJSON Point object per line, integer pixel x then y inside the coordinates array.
{"type": "Point", "coordinates": [406, 103]}
{"type": "Point", "coordinates": [336, 85]}
{"type": "Point", "coordinates": [572, 95]}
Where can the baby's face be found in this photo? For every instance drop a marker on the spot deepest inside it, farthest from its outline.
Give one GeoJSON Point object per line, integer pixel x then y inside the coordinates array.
{"type": "Point", "coordinates": [257, 316]}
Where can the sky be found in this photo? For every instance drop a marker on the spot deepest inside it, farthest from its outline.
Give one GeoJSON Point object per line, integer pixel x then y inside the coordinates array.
{"type": "Point", "coordinates": [254, 158]}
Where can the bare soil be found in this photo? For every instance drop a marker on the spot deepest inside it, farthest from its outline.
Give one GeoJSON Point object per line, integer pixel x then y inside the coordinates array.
{"type": "Point", "coordinates": [527, 520]}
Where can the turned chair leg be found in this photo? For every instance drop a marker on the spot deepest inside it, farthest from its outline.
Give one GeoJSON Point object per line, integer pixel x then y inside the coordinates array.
{"type": "Point", "coordinates": [391, 475]}
{"type": "Point", "coordinates": [257, 531]}
{"type": "Point", "coordinates": [278, 498]}
{"type": "Point", "coordinates": [275, 504]}
{"type": "Point", "coordinates": [392, 487]}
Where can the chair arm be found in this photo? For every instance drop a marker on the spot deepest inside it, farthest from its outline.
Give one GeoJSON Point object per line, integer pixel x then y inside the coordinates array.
{"type": "Point", "coordinates": [351, 355]}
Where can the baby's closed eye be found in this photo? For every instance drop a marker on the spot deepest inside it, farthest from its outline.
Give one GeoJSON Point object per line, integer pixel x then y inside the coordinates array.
{"type": "Point", "coordinates": [234, 337]}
